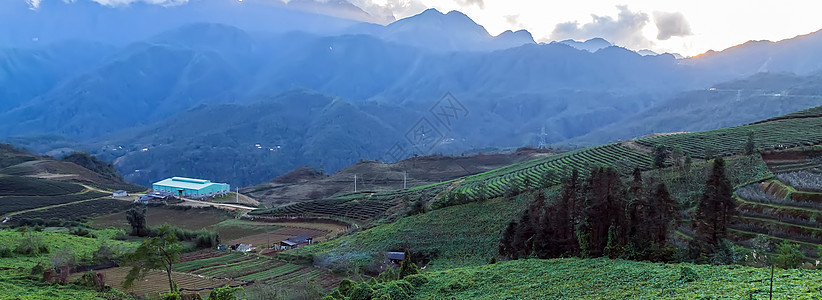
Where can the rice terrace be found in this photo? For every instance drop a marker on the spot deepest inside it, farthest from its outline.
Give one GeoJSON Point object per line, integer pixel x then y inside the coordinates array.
{"type": "Point", "coordinates": [398, 150]}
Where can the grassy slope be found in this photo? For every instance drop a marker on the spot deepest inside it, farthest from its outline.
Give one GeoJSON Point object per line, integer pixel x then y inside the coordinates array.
{"type": "Point", "coordinates": [574, 278]}
{"type": "Point", "coordinates": [14, 281]}
{"type": "Point", "coordinates": [462, 235]}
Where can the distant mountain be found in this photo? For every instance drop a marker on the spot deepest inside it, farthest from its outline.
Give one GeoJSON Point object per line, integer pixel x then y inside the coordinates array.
{"type": "Point", "coordinates": [451, 32]}
{"type": "Point", "coordinates": [242, 144]}
{"type": "Point", "coordinates": [206, 92]}
{"type": "Point", "coordinates": [592, 45]}
{"type": "Point", "coordinates": [728, 104]}
{"type": "Point", "coordinates": [57, 20]}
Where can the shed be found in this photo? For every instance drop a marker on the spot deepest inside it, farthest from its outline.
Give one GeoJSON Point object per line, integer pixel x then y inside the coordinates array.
{"type": "Point", "coordinates": [120, 193]}
{"type": "Point", "coordinates": [296, 241]}
{"type": "Point", "coordinates": [395, 257]}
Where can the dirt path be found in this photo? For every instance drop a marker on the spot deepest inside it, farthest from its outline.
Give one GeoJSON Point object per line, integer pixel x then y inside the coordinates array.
{"type": "Point", "coordinates": [198, 203]}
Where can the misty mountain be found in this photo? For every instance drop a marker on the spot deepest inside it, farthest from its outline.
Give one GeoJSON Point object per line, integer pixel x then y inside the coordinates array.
{"type": "Point", "coordinates": [200, 92]}
{"type": "Point", "coordinates": [244, 143]}
{"type": "Point", "coordinates": [732, 103]}
{"type": "Point", "coordinates": [58, 20]}
{"type": "Point", "coordinates": [591, 45]}
{"type": "Point", "coordinates": [451, 32]}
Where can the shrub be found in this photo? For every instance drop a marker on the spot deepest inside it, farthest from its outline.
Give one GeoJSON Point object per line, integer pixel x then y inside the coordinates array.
{"type": "Point", "coordinates": [224, 293]}
{"type": "Point", "coordinates": [416, 280]}
{"type": "Point", "coordinates": [686, 274]}
{"type": "Point", "coordinates": [788, 256]}
{"type": "Point", "coordinates": [6, 252]}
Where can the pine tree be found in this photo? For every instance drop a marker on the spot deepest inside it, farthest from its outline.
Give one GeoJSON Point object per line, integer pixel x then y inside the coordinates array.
{"type": "Point", "coordinates": [750, 146]}
{"type": "Point", "coordinates": [660, 155]}
{"type": "Point", "coordinates": [715, 207]}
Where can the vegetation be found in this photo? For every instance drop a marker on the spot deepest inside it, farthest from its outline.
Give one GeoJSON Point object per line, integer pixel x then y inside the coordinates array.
{"type": "Point", "coordinates": [574, 278]}
{"type": "Point", "coordinates": [159, 252]}
{"type": "Point", "coordinates": [596, 217]}
{"type": "Point", "coordinates": [771, 135]}
{"type": "Point", "coordinates": [76, 211]}
{"type": "Point", "coordinates": [20, 203]}
{"type": "Point", "coordinates": [28, 186]}
{"type": "Point", "coordinates": [715, 209]}
{"type": "Point", "coordinates": [88, 161]}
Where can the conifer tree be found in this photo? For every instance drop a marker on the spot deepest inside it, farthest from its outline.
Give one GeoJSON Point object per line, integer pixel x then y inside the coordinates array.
{"type": "Point", "coordinates": [715, 207]}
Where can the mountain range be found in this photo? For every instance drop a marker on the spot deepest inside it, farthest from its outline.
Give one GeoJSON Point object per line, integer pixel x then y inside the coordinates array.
{"type": "Point", "coordinates": [243, 101]}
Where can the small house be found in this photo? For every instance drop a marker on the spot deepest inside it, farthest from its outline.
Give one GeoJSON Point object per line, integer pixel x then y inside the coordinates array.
{"type": "Point", "coordinates": [296, 241]}
{"type": "Point", "coordinates": [120, 193]}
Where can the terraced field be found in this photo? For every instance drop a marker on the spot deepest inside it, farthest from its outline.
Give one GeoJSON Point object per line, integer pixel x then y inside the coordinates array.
{"type": "Point", "coordinates": [78, 210]}
{"type": "Point", "coordinates": [773, 135]}
{"type": "Point", "coordinates": [253, 268]}
{"type": "Point", "coordinates": [364, 207]}
{"type": "Point", "coordinates": [782, 212]}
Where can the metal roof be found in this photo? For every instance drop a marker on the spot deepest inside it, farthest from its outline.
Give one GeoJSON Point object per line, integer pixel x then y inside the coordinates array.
{"type": "Point", "coordinates": [186, 183]}
{"type": "Point", "coordinates": [395, 255]}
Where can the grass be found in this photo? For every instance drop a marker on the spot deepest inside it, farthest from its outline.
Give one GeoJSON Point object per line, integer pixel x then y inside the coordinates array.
{"type": "Point", "coordinates": [455, 236]}
{"type": "Point", "coordinates": [574, 278]}
{"type": "Point", "coordinates": [78, 210]}
{"type": "Point", "coordinates": [14, 271]}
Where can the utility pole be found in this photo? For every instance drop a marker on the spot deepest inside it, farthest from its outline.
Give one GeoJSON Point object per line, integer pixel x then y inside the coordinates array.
{"type": "Point", "coordinates": [355, 183]}
{"type": "Point", "coordinates": [404, 179]}
{"type": "Point", "coordinates": [238, 194]}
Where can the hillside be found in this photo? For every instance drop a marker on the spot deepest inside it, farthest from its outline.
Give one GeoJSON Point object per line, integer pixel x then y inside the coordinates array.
{"type": "Point", "coordinates": [464, 231]}
{"type": "Point", "coordinates": [573, 278]}
{"type": "Point", "coordinates": [309, 184]}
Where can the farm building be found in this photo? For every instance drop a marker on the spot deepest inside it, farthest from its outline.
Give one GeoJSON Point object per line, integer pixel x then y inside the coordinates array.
{"type": "Point", "coordinates": [296, 241]}
{"type": "Point", "coordinates": [395, 257]}
{"type": "Point", "coordinates": [190, 187]}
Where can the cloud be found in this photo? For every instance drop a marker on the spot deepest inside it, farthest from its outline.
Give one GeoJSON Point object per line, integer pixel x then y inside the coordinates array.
{"type": "Point", "coordinates": [671, 24]}
{"type": "Point", "coordinates": [512, 20]}
{"type": "Point", "coordinates": [34, 4]}
{"type": "Point", "coordinates": [127, 2]}
{"type": "Point", "coordinates": [478, 3]}
{"type": "Point", "coordinates": [390, 9]}
{"type": "Point", "coordinates": [625, 30]}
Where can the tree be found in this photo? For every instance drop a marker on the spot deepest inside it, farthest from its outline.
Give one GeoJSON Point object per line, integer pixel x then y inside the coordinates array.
{"type": "Point", "coordinates": [750, 146]}
{"type": "Point", "coordinates": [677, 155]}
{"type": "Point", "coordinates": [660, 155]}
{"type": "Point", "coordinates": [709, 152]}
{"type": "Point", "coordinates": [715, 207]}
{"type": "Point", "coordinates": [160, 252]}
{"type": "Point", "coordinates": [137, 219]}
{"type": "Point", "coordinates": [688, 162]}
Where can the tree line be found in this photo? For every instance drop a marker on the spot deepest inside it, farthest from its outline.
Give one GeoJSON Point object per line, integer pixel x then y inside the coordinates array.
{"type": "Point", "coordinates": [599, 215]}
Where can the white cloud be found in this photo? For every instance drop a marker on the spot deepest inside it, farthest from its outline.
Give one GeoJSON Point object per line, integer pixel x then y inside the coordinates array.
{"type": "Point", "coordinates": [34, 4]}
{"type": "Point", "coordinates": [625, 30]}
{"type": "Point", "coordinates": [127, 2]}
{"type": "Point", "coordinates": [670, 24]}
{"type": "Point", "coordinates": [478, 3]}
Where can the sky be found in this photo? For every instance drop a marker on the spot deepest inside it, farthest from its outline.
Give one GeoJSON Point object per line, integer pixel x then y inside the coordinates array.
{"type": "Point", "coordinates": [686, 27]}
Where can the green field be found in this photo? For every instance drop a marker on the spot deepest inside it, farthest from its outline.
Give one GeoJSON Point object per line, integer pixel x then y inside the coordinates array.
{"type": "Point", "coordinates": [773, 135]}
{"type": "Point", "coordinates": [455, 236]}
{"type": "Point", "coordinates": [574, 278]}
{"type": "Point", "coordinates": [14, 271]}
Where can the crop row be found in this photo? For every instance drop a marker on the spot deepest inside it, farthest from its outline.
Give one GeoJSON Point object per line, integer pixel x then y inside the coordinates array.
{"type": "Point", "coordinates": [28, 186]}
{"type": "Point", "coordinates": [192, 265]}
{"type": "Point", "coordinates": [271, 273]}
{"type": "Point", "coordinates": [76, 211]}
{"type": "Point", "coordinates": [778, 134]}
{"type": "Point", "coordinates": [352, 209]}
{"type": "Point", "coordinates": [17, 203]}
{"type": "Point", "coordinates": [550, 170]}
